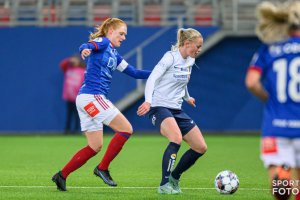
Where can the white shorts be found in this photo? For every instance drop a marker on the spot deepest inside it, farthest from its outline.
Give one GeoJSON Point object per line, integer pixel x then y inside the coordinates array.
{"type": "Point", "coordinates": [279, 151]}
{"type": "Point", "coordinates": [94, 111]}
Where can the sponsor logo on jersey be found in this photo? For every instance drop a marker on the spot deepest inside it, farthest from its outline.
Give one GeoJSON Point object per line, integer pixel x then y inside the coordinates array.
{"type": "Point", "coordinates": [288, 48]}
{"type": "Point", "coordinates": [283, 123]}
{"type": "Point", "coordinates": [182, 68]}
{"type": "Point", "coordinates": [179, 76]}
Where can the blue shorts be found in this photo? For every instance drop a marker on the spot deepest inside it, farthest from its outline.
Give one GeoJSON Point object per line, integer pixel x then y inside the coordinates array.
{"type": "Point", "coordinates": [158, 114]}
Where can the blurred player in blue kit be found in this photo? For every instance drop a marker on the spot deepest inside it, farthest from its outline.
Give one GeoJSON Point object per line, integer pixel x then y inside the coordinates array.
{"type": "Point", "coordinates": [93, 107]}
{"type": "Point", "coordinates": [274, 77]}
{"type": "Point", "coordinates": [164, 93]}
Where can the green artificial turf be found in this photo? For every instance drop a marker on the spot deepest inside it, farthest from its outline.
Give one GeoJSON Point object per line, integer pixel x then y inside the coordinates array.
{"type": "Point", "coordinates": [27, 164]}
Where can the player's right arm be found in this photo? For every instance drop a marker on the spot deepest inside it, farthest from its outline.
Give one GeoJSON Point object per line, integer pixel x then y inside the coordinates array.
{"type": "Point", "coordinates": [97, 44]}
{"type": "Point", "coordinates": [254, 74]}
{"type": "Point", "coordinates": [158, 71]}
{"type": "Point", "coordinates": [254, 85]}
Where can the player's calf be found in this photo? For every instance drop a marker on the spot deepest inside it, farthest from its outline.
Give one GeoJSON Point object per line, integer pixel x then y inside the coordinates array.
{"type": "Point", "coordinates": [281, 183]}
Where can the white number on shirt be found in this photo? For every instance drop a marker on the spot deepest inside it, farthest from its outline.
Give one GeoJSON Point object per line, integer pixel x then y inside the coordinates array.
{"type": "Point", "coordinates": [293, 85]}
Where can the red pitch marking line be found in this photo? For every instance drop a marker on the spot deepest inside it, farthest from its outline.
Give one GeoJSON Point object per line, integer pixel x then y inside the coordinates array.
{"type": "Point", "coordinates": [75, 187]}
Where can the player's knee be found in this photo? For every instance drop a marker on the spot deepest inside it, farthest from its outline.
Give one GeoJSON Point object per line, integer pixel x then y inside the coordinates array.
{"type": "Point", "coordinates": [176, 138]}
{"type": "Point", "coordinates": [129, 129]}
{"type": "Point", "coordinates": [201, 149]}
{"type": "Point", "coordinates": [97, 148]}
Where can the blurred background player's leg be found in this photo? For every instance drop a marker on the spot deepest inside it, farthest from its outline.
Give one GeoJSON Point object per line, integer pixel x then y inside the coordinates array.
{"type": "Point", "coordinates": [69, 116]}
{"type": "Point", "coordinates": [297, 170]}
{"type": "Point", "coordinates": [278, 175]}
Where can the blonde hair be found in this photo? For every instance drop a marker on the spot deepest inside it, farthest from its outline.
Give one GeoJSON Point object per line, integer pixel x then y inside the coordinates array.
{"type": "Point", "coordinates": [276, 21]}
{"type": "Point", "coordinates": [102, 30]}
{"type": "Point", "coordinates": [183, 35]}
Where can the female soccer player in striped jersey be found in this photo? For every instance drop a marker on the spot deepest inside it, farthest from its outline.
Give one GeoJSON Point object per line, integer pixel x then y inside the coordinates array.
{"type": "Point", "coordinates": [278, 61]}
{"type": "Point", "coordinates": [165, 88]}
{"type": "Point", "coordinates": [92, 104]}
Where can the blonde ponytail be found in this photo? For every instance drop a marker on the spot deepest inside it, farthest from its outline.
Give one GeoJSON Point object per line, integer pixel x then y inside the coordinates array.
{"type": "Point", "coordinates": [276, 20]}
{"type": "Point", "coordinates": [183, 35]}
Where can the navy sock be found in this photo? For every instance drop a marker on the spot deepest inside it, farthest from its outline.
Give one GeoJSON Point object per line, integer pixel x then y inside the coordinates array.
{"type": "Point", "coordinates": [186, 161]}
{"type": "Point", "coordinates": [168, 161]}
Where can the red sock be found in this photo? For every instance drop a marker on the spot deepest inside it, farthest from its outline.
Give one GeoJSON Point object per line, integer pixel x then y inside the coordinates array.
{"type": "Point", "coordinates": [78, 160]}
{"type": "Point", "coordinates": [113, 149]}
{"type": "Point", "coordinates": [297, 196]}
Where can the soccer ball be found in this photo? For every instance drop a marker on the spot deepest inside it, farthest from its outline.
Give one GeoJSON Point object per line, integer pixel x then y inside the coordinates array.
{"type": "Point", "coordinates": [226, 182]}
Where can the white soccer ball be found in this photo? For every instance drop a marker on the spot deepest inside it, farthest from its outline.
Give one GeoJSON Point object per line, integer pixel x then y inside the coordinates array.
{"type": "Point", "coordinates": [226, 182]}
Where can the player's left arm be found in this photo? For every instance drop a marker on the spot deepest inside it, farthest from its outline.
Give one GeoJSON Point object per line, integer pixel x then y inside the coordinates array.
{"type": "Point", "coordinates": [124, 67]}
{"type": "Point", "coordinates": [136, 73]}
{"type": "Point", "coordinates": [190, 100]}
{"type": "Point", "coordinates": [257, 67]}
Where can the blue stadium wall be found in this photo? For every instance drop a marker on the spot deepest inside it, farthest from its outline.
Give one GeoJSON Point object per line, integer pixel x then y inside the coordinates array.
{"type": "Point", "coordinates": [31, 81]}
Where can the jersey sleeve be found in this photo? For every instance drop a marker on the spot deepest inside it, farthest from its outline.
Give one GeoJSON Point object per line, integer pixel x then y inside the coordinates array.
{"type": "Point", "coordinates": [97, 44]}
{"type": "Point", "coordinates": [121, 63]}
{"type": "Point", "coordinates": [258, 62]}
{"type": "Point", "coordinates": [136, 73]}
{"type": "Point", "coordinates": [161, 67]}
{"type": "Point", "coordinates": [186, 94]}
{"type": "Point", "coordinates": [165, 63]}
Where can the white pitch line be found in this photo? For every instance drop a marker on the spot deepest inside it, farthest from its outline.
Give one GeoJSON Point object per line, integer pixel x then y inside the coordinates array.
{"type": "Point", "coordinates": [76, 187]}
